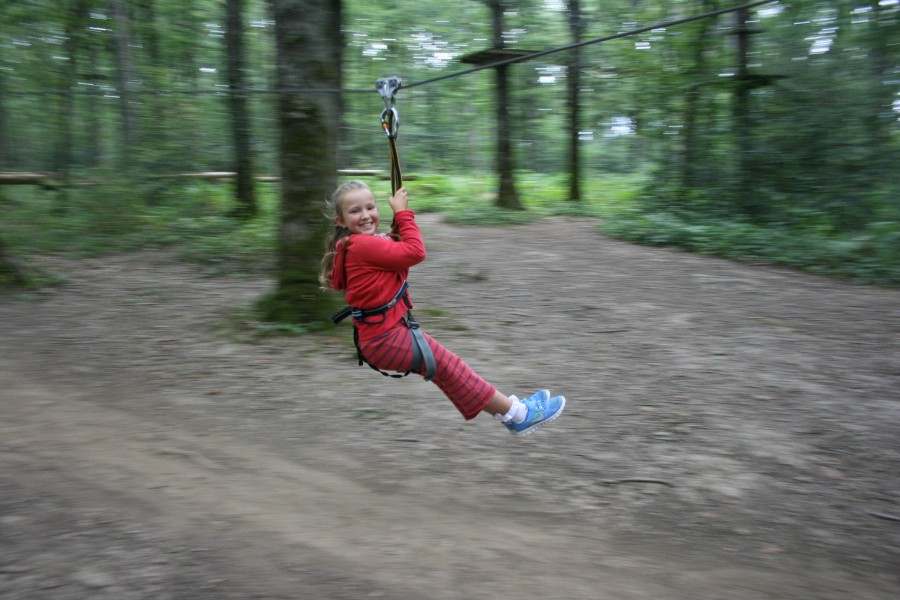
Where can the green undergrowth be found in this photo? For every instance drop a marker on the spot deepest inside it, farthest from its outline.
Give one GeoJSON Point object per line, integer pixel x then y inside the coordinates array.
{"type": "Point", "coordinates": [195, 224]}
{"type": "Point", "coordinates": [870, 255]}
{"type": "Point", "coordinates": [467, 200]}
{"type": "Point", "coordinates": [194, 220]}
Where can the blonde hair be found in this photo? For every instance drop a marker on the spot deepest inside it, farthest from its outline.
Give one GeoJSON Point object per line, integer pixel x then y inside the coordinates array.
{"type": "Point", "coordinates": [333, 210]}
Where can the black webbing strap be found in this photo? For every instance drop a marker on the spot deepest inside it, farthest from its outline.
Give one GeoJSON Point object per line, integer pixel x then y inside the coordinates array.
{"type": "Point", "coordinates": [396, 173]}
{"type": "Point", "coordinates": [359, 315]}
{"type": "Point", "coordinates": [421, 350]}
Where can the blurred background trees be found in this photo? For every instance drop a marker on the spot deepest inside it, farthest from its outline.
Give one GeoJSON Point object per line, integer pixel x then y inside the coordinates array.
{"type": "Point", "coordinates": [780, 116]}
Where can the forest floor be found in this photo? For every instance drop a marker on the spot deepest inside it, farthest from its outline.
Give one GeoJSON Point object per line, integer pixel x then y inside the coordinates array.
{"type": "Point", "coordinates": [732, 432]}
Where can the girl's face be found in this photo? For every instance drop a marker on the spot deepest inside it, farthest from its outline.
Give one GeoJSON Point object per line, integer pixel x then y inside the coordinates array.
{"type": "Point", "coordinates": [359, 213]}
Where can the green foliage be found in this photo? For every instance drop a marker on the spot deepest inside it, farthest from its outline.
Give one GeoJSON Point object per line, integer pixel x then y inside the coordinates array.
{"type": "Point", "coordinates": [194, 224]}
{"type": "Point", "coordinates": [189, 218]}
{"type": "Point", "coordinates": [805, 176]}
{"type": "Point", "coordinates": [871, 256]}
{"type": "Point", "coordinates": [470, 200]}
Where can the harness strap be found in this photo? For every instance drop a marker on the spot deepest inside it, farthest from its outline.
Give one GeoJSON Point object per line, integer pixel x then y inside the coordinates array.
{"type": "Point", "coordinates": [422, 354]}
{"type": "Point", "coordinates": [359, 314]}
{"type": "Point", "coordinates": [421, 350]}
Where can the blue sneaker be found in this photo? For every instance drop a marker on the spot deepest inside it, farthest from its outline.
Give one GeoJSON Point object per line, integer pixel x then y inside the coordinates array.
{"type": "Point", "coordinates": [538, 395]}
{"type": "Point", "coordinates": [541, 410]}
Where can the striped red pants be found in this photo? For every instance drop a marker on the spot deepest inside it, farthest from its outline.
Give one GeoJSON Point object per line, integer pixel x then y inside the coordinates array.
{"type": "Point", "coordinates": [392, 351]}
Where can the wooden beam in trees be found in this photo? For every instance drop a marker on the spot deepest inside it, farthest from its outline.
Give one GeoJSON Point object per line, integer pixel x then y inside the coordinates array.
{"type": "Point", "coordinates": [28, 178]}
{"type": "Point", "coordinates": [492, 55]}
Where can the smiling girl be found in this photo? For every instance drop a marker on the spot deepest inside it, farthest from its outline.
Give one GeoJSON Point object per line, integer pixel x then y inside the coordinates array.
{"type": "Point", "coordinates": [371, 269]}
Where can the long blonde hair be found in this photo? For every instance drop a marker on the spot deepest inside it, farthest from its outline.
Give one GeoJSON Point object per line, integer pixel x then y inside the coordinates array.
{"type": "Point", "coordinates": [333, 210]}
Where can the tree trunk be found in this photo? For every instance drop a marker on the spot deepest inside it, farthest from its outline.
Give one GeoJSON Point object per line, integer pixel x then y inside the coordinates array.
{"type": "Point", "coordinates": [507, 196]}
{"type": "Point", "coordinates": [240, 118]}
{"type": "Point", "coordinates": [11, 273]}
{"type": "Point", "coordinates": [124, 71]}
{"type": "Point", "coordinates": [92, 129]}
{"type": "Point", "coordinates": [151, 31]}
{"type": "Point", "coordinates": [7, 157]}
{"type": "Point", "coordinates": [882, 40]}
{"type": "Point", "coordinates": [308, 44]}
{"type": "Point", "coordinates": [63, 156]}
{"type": "Point", "coordinates": [573, 85]}
{"type": "Point", "coordinates": [689, 156]}
{"type": "Point", "coordinates": [749, 201]}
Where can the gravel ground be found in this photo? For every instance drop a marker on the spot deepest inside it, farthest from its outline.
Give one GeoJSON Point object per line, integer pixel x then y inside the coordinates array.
{"type": "Point", "coordinates": [732, 432]}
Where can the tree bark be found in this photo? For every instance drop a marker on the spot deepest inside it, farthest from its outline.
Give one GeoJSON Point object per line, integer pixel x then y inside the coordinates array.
{"type": "Point", "coordinates": [689, 160]}
{"type": "Point", "coordinates": [308, 44]}
{"type": "Point", "coordinates": [883, 29]}
{"type": "Point", "coordinates": [573, 85]}
{"type": "Point", "coordinates": [91, 123]}
{"type": "Point", "coordinates": [750, 202]}
{"type": "Point", "coordinates": [7, 157]}
{"type": "Point", "coordinates": [64, 150]}
{"type": "Point", "coordinates": [507, 195]}
{"type": "Point", "coordinates": [124, 70]}
{"type": "Point", "coordinates": [11, 273]}
{"type": "Point", "coordinates": [240, 118]}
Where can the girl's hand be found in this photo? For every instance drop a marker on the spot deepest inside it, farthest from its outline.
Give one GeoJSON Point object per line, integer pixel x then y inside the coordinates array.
{"type": "Point", "coordinates": [399, 201]}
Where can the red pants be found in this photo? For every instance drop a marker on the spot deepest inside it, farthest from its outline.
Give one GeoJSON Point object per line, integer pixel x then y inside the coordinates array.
{"type": "Point", "coordinates": [392, 351]}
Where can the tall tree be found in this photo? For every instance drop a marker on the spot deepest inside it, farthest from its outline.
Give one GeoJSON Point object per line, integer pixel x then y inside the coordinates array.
{"type": "Point", "coordinates": [507, 195]}
{"type": "Point", "coordinates": [750, 201]}
{"type": "Point", "coordinates": [125, 75]}
{"type": "Point", "coordinates": [696, 80]}
{"type": "Point", "coordinates": [308, 44]}
{"type": "Point", "coordinates": [573, 85]}
{"type": "Point", "coordinates": [74, 16]}
{"type": "Point", "coordinates": [11, 273]}
{"type": "Point", "coordinates": [7, 158]}
{"type": "Point", "coordinates": [240, 116]}
{"type": "Point", "coordinates": [881, 37]}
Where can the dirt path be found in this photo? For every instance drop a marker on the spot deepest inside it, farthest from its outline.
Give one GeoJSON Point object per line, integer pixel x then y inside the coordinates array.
{"type": "Point", "coordinates": [733, 432]}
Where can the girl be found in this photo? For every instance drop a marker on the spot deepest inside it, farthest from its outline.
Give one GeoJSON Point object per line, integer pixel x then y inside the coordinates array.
{"type": "Point", "coordinates": [371, 269]}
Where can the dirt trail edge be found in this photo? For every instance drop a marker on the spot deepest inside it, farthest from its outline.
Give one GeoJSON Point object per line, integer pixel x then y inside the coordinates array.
{"type": "Point", "coordinates": [733, 432]}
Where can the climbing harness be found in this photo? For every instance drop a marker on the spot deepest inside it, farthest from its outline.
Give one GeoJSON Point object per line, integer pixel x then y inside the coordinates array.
{"type": "Point", "coordinates": [422, 354]}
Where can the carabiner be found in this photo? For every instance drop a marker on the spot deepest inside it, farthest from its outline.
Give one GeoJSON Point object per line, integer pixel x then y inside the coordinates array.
{"type": "Point", "coordinates": [390, 122]}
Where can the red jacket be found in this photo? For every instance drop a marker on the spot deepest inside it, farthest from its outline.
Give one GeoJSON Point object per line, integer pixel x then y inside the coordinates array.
{"type": "Point", "coordinates": [372, 268]}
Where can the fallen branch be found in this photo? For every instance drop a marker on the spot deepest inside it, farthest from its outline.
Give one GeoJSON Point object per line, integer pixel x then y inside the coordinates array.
{"type": "Point", "coordinates": [45, 180]}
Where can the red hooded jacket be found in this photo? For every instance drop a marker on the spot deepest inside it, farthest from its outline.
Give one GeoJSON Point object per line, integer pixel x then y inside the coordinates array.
{"type": "Point", "coordinates": [370, 269]}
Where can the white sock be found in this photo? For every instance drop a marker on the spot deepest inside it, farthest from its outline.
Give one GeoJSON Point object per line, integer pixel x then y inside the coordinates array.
{"type": "Point", "coordinates": [517, 412]}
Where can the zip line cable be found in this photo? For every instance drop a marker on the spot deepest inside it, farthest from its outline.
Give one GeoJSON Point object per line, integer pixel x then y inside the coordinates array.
{"type": "Point", "coordinates": [607, 38]}
{"type": "Point", "coordinates": [509, 61]}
